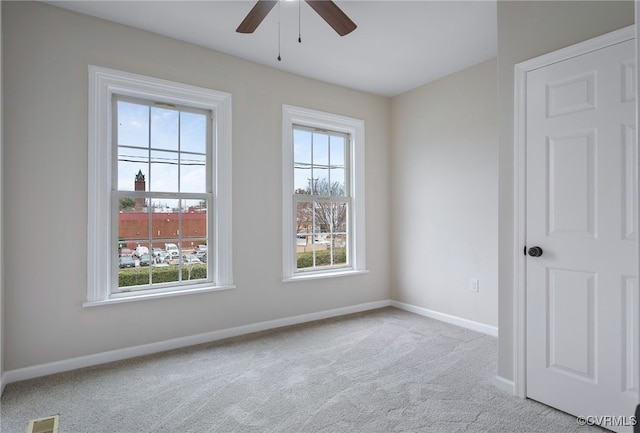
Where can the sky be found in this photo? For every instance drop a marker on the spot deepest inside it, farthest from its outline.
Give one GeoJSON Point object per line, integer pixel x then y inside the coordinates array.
{"type": "Point", "coordinates": [317, 156]}
{"type": "Point", "coordinates": [167, 145]}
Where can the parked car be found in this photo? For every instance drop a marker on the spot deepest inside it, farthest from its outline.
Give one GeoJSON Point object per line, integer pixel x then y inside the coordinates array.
{"type": "Point", "coordinates": [203, 257]}
{"type": "Point", "coordinates": [191, 259]}
{"type": "Point", "coordinates": [141, 250]}
{"type": "Point", "coordinates": [163, 257]}
{"type": "Point", "coordinates": [174, 260]}
{"type": "Point", "coordinates": [126, 252]}
{"type": "Point", "coordinates": [127, 262]}
{"type": "Point", "coordinates": [157, 252]}
{"type": "Point", "coordinates": [145, 260]}
{"type": "Point", "coordinates": [172, 249]}
{"type": "Point", "coordinates": [200, 254]}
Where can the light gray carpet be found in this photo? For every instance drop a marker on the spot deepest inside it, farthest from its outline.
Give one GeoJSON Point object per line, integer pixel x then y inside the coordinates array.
{"type": "Point", "coordinates": [376, 372]}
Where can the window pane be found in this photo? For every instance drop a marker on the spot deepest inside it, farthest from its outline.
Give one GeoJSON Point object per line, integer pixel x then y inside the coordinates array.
{"type": "Point", "coordinates": [338, 253]}
{"type": "Point", "coordinates": [130, 163]}
{"type": "Point", "coordinates": [169, 268]}
{"type": "Point", "coordinates": [302, 146]}
{"type": "Point", "coordinates": [302, 180]}
{"type": "Point", "coordinates": [340, 241]}
{"type": "Point", "coordinates": [165, 227]}
{"type": "Point", "coordinates": [337, 187]}
{"type": "Point", "coordinates": [193, 132]}
{"type": "Point", "coordinates": [302, 161]}
{"type": "Point", "coordinates": [340, 218]}
{"type": "Point", "coordinates": [337, 150]}
{"type": "Point", "coordinates": [193, 173]}
{"type": "Point", "coordinates": [304, 218]}
{"type": "Point", "coordinates": [321, 164]}
{"type": "Point", "coordinates": [164, 128]}
{"type": "Point", "coordinates": [164, 171]}
{"type": "Point", "coordinates": [133, 235]}
{"type": "Point", "coordinates": [194, 224]}
{"type": "Point", "coordinates": [133, 222]}
{"type": "Point", "coordinates": [323, 217]}
{"type": "Point", "coordinates": [133, 124]}
{"type": "Point", "coordinates": [337, 169]}
{"type": "Point", "coordinates": [321, 182]}
{"type": "Point", "coordinates": [164, 221]}
{"type": "Point", "coordinates": [194, 240]}
{"type": "Point", "coordinates": [320, 149]}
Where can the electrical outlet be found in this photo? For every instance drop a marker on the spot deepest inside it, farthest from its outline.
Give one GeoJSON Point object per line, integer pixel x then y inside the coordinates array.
{"type": "Point", "coordinates": [474, 285]}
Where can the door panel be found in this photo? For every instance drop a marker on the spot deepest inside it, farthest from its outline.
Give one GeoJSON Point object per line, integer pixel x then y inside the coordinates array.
{"type": "Point", "coordinates": [571, 180]}
{"type": "Point", "coordinates": [630, 186]}
{"type": "Point", "coordinates": [630, 336]}
{"type": "Point", "coordinates": [582, 293]}
{"type": "Point", "coordinates": [571, 339]}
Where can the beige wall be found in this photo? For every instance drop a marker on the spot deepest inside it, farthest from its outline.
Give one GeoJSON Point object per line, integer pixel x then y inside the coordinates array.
{"type": "Point", "coordinates": [527, 29]}
{"type": "Point", "coordinates": [445, 195]}
{"type": "Point", "coordinates": [46, 53]}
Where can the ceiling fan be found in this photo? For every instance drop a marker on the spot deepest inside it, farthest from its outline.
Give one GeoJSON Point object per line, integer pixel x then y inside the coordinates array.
{"type": "Point", "coordinates": [327, 9]}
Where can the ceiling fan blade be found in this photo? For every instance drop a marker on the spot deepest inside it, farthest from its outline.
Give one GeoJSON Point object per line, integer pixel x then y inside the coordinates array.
{"type": "Point", "coordinates": [333, 15]}
{"type": "Point", "coordinates": [256, 15]}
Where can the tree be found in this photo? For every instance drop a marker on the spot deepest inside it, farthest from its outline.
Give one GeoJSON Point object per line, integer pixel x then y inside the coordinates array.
{"type": "Point", "coordinates": [126, 204]}
{"type": "Point", "coordinates": [318, 215]}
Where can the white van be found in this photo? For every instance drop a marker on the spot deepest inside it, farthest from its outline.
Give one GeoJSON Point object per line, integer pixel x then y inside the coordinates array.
{"type": "Point", "coordinates": [172, 249]}
{"type": "Point", "coordinates": [140, 250]}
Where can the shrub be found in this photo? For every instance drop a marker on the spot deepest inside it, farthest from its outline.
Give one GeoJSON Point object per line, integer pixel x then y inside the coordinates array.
{"type": "Point", "coordinates": [161, 274]}
{"type": "Point", "coordinates": [323, 258]}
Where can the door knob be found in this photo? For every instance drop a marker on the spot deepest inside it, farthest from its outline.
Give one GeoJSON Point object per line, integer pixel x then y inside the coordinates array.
{"type": "Point", "coordinates": [535, 251]}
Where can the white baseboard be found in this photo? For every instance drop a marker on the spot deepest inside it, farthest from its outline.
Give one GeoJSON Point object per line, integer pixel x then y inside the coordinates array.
{"type": "Point", "coordinates": [454, 320]}
{"type": "Point", "coordinates": [505, 385]}
{"type": "Point", "coordinates": [177, 343]}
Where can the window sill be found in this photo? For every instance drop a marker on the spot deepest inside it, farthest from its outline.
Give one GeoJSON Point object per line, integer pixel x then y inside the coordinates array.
{"type": "Point", "coordinates": [320, 275]}
{"type": "Point", "coordinates": [145, 296]}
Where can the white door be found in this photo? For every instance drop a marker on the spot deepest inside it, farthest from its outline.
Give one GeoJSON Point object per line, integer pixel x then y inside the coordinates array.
{"type": "Point", "coordinates": [582, 292]}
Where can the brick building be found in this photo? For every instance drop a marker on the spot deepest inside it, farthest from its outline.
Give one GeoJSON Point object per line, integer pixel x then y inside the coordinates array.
{"type": "Point", "coordinates": [136, 226]}
{"type": "Point", "coordinates": [133, 229]}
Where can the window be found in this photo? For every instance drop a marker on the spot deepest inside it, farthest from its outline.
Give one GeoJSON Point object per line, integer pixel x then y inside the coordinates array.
{"type": "Point", "coordinates": [159, 188]}
{"type": "Point", "coordinates": [323, 194]}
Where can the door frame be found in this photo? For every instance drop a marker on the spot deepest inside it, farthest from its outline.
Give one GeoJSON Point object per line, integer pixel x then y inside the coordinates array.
{"type": "Point", "coordinates": [520, 184]}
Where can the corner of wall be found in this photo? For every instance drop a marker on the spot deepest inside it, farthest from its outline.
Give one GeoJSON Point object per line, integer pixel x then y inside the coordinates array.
{"type": "Point", "coordinates": [505, 385]}
{"type": "Point", "coordinates": [2, 382]}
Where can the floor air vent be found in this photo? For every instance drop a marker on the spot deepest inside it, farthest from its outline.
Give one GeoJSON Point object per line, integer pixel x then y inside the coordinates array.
{"type": "Point", "coordinates": [44, 425]}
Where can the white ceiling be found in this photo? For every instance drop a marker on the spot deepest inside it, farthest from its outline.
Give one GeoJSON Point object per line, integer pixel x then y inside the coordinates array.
{"type": "Point", "coordinates": [398, 45]}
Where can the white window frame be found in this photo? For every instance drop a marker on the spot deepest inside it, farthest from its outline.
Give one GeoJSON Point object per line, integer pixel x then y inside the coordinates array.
{"type": "Point", "coordinates": [103, 84]}
{"type": "Point", "coordinates": [355, 128]}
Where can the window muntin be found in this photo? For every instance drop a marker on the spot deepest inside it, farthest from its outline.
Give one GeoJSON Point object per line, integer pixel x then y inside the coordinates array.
{"type": "Point", "coordinates": [163, 194]}
{"type": "Point", "coordinates": [321, 198]}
